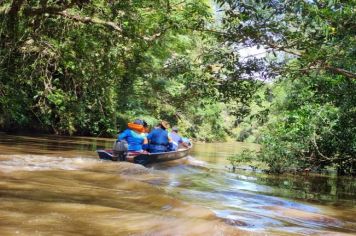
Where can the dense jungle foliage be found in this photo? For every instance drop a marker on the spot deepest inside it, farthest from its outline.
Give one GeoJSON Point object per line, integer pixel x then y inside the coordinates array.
{"type": "Point", "coordinates": [306, 118]}
{"type": "Point", "coordinates": [88, 67]}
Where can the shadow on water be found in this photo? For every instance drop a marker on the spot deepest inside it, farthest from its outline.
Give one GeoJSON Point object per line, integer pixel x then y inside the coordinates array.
{"type": "Point", "coordinates": [313, 188]}
{"type": "Point", "coordinates": [56, 185]}
{"type": "Point", "coordinates": [51, 144]}
{"type": "Point", "coordinates": [309, 187]}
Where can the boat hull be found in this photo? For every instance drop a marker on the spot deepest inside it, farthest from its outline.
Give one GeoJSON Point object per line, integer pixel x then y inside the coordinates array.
{"type": "Point", "coordinates": [146, 158]}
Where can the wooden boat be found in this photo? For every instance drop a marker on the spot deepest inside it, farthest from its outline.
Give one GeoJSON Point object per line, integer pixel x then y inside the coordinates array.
{"type": "Point", "coordinates": [145, 158]}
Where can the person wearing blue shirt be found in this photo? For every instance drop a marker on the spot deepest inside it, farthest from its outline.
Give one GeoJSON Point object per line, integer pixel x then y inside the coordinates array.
{"type": "Point", "coordinates": [133, 136]}
{"type": "Point", "coordinates": [186, 141]}
{"type": "Point", "coordinates": [176, 139]}
{"type": "Point", "coordinates": [158, 139]}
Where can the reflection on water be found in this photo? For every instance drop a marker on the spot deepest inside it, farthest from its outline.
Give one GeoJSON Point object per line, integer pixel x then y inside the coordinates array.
{"type": "Point", "coordinates": [56, 185]}
{"type": "Point", "coordinates": [217, 153]}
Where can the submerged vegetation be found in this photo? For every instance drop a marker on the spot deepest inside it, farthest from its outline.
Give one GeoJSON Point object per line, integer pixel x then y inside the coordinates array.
{"type": "Point", "coordinates": [87, 67]}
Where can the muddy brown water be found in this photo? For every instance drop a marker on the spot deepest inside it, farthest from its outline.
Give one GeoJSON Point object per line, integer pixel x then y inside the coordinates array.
{"type": "Point", "coordinates": [53, 185]}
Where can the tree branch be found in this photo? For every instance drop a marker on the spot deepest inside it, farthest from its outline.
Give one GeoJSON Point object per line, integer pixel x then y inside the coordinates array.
{"type": "Point", "coordinates": [49, 10]}
{"type": "Point", "coordinates": [313, 139]}
{"type": "Point", "coordinates": [283, 49]}
{"type": "Point", "coordinates": [335, 70]}
{"type": "Point", "coordinates": [15, 7]}
{"type": "Point", "coordinates": [13, 14]}
{"type": "Point", "coordinates": [89, 20]}
{"type": "Point", "coordinates": [344, 72]}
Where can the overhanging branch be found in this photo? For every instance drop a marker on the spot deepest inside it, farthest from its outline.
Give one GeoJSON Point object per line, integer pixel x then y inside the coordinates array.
{"type": "Point", "coordinates": [48, 9]}
{"type": "Point", "coordinates": [283, 49]}
{"type": "Point", "coordinates": [89, 20]}
{"type": "Point", "coordinates": [341, 71]}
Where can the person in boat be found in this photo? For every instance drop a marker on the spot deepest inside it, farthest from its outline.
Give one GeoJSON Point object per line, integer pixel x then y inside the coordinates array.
{"type": "Point", "coordinates": [145, 126]}
{"type": "Point", "coordinates": [134, 137]}
{"type": "Point", "coordinates": [177, 139]}
{"type": "Point", "coordinates": [187, 141]}
{"type": "Point", "coordinates": [159, 140]}
{"type": "Point", "coordinates": [145, 129]}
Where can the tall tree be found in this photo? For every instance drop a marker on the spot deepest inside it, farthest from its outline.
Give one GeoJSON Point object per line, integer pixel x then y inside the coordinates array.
{"type": "Point", "coordinates": [314, 45]}
{"type": "Point", "coordinates": [78, 66]}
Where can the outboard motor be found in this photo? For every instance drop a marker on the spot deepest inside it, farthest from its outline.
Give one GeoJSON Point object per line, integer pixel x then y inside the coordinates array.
{"type": "Point", "coordinates": [120, 150]}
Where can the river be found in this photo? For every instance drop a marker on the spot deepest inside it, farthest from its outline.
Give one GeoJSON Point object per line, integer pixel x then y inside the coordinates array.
{"type": "Point", "coordinates": [53, 185]}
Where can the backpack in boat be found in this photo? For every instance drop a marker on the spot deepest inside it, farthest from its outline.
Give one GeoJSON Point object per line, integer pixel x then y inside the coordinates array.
{"type": "Point", "coordinates": [119, 150]}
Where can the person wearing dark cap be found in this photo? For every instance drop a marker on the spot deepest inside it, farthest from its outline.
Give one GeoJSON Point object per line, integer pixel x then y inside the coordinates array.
{"type": "Point", "coordinates": [176, 139]}
{"type": "Point", "coordinates": [133, 136]}
{"type": "Point", "coordinates": [158, 139]}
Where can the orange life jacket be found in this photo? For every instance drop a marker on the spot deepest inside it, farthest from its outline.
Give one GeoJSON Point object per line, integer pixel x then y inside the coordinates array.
{"type": "Point", "coordinates": [136, 127]}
